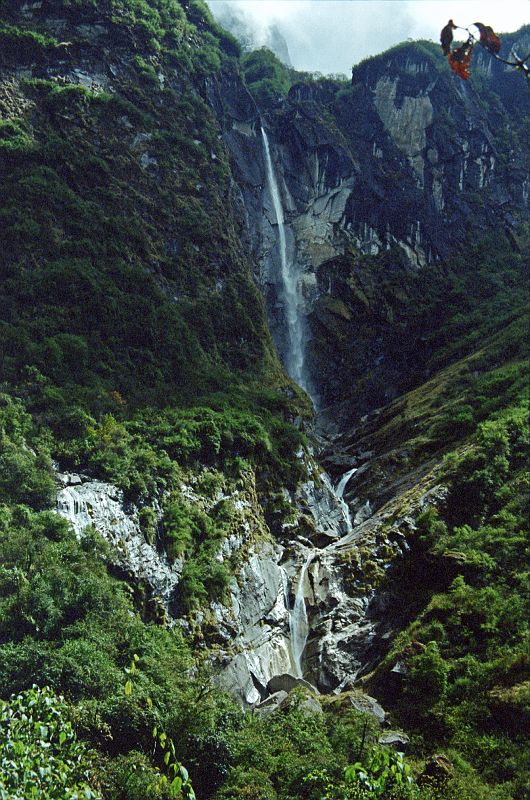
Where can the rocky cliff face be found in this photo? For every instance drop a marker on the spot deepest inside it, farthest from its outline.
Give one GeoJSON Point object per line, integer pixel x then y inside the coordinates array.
{"type": "Point", "coordinates": [333, 563]}
{"type": "Point", "coordinates": [407, 164]}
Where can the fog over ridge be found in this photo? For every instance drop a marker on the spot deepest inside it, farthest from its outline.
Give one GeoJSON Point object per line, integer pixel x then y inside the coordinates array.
{"type": "Point", "coordinates": [330, 36]}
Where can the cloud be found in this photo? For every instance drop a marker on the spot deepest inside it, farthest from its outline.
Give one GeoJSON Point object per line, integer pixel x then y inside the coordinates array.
{"type": "Point", "coordinates": [332, 35]}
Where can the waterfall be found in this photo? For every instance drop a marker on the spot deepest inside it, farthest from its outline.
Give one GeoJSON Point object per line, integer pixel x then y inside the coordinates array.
{"type": "Point", "coordinates": [294, 357]}
{"type": "Point", "coordinates": [298, 621]}
{"type": "Point", "coordinates": [339, 491]}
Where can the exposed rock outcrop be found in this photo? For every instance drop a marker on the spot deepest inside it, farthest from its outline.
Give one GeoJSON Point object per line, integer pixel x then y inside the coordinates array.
{"type": "Point", "coordinates": [89, 503]}
{"type": "Point", "coordinates": [398, 164]}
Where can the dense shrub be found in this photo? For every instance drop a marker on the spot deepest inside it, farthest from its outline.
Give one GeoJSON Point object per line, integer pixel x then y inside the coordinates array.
{"type": "Point", "coordinates": [40, 756]}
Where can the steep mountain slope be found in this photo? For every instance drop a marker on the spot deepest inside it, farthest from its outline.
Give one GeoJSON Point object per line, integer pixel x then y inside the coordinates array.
{"type": "Point", "coordinates": [114, 178]}
{"type": "Point", "coordinates": [410, 166]}
{"type": "Point", "coordinates": [198, 542]}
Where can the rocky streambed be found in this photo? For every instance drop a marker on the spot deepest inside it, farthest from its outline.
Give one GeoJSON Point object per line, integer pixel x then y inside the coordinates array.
{"type": "Point", "coordinates": [316, 603]}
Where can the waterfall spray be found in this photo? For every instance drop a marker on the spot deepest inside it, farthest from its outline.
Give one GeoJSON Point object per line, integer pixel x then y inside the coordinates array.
{"type": "Point", "coordinates": [294, 358]}
{"type": "Point", "coordinates": [339, 491]}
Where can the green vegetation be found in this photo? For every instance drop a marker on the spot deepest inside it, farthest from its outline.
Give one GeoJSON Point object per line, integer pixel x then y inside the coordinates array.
{"type": "Point", "coordinates": [466, 651]}
{"type": "Point", "coordinates": [14, 138]}
{"type": "Point", "coordinates": [22, 45]}
{"type": "Point", "coordinates": [470, 308]}
{"type": "Point", "coordinates": [40, 756]}
{"type": "Point", "coordinates": [266, 77]}
{"type": "Point", "coordinates": [269, 80]}
{"type": "Point", "coordinates": [135, 350]}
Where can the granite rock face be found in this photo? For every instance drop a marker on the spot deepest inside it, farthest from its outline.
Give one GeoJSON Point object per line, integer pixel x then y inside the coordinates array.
{"type": "Point", "coordinates": [404, 164]}
{"type": "Point", "coordinates": [87, 503]}
{"type": "Point", "coordinates": [254, 631]}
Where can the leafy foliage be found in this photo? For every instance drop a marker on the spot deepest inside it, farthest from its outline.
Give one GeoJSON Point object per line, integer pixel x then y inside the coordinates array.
{"type": "Point", "coordinates": [40, 756]}
{"type": "Point", "coordinates": [175, 779]}
{"type": "Point", "coordinates": [266, 77]}
{"type": "Point", "coordinates": [385, 769]}
{"type": "Point", "coordinates": [466, 651]}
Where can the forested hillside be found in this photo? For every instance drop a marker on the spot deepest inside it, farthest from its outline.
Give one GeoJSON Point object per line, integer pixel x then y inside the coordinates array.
{"type": "Point", "coordinates": [189, 605]}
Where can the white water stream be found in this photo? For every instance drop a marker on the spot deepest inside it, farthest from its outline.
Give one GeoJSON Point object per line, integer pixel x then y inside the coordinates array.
{"type": "Point", "coordinates": [298, 618]}
{"type": "Point", "coordinates": [298, 621]}
{"type": "Point", "coordinates": [339, 491]}
{"type": "Point", "coordinates": [295, 365]}
{"type": "Point", "coordinates": [294, 357]}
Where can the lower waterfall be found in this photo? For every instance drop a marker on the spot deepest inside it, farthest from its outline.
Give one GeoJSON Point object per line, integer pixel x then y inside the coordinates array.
{"type": "Point", "coordinates": [339, 491]}
{"type": "Point", "coordinates": [298, 618]}
{"type": "Point", "coordinates": [298, 621]}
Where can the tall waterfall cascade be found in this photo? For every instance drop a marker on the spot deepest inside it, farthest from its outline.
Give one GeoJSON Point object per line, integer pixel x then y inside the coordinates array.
{"type": "Point", "coordinates": [295, 364]}
{"type": "Point", "coordinates": [292, 301]}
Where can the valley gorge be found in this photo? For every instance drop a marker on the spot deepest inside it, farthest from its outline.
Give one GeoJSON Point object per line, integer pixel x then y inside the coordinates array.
{"type": "Point", "coordinates": [262, 406]}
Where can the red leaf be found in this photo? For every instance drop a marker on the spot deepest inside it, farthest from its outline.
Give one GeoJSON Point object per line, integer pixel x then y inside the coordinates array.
{"type": "Point", "coordinates": [460, 59]}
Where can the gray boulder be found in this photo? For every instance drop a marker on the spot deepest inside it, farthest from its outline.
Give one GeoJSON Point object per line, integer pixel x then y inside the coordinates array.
{"type": "Point", "coordinates": [368, 705]}
{"type": "Point", "coordinates": [396, 739]}
{"type": "Point", "coordinates": [310, 705]}
{"type": "Point", "coordinates": [271, 703]}
{"type": "Point", "coordinates": [286, 683]}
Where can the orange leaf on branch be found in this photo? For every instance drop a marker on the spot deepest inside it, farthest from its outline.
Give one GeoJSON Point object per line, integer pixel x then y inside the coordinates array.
{"type": "Point", "coordinates": [460, 59]}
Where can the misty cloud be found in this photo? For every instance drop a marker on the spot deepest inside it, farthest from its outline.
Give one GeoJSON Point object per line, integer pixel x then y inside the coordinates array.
{"type": "Point", "coordinates": [331, 35]}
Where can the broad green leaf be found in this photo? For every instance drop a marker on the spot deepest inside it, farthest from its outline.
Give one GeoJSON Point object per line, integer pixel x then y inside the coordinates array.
{"type": "Point", "coordinates": [184, 773]}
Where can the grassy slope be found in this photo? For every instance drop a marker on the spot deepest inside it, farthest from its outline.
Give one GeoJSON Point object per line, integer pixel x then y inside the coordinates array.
{"type": "Point", "coordinates": [460, 593]}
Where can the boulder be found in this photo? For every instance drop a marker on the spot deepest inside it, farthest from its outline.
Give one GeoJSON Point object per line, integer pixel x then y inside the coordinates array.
{"type": "Point", "coordinates": [310, 705]}
{"type": "Point", "coordinates": [286, 683]}
{"type": "Point", "coordinates": [396, 739]}
{"type": "Point", "coordinates": [368, 705]}
{"type": "Point", "coordinates": [271, 703]}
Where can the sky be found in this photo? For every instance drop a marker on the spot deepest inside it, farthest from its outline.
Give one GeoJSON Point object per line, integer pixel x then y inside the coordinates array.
{"type": "Point", "coordinates": [329, 36]}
